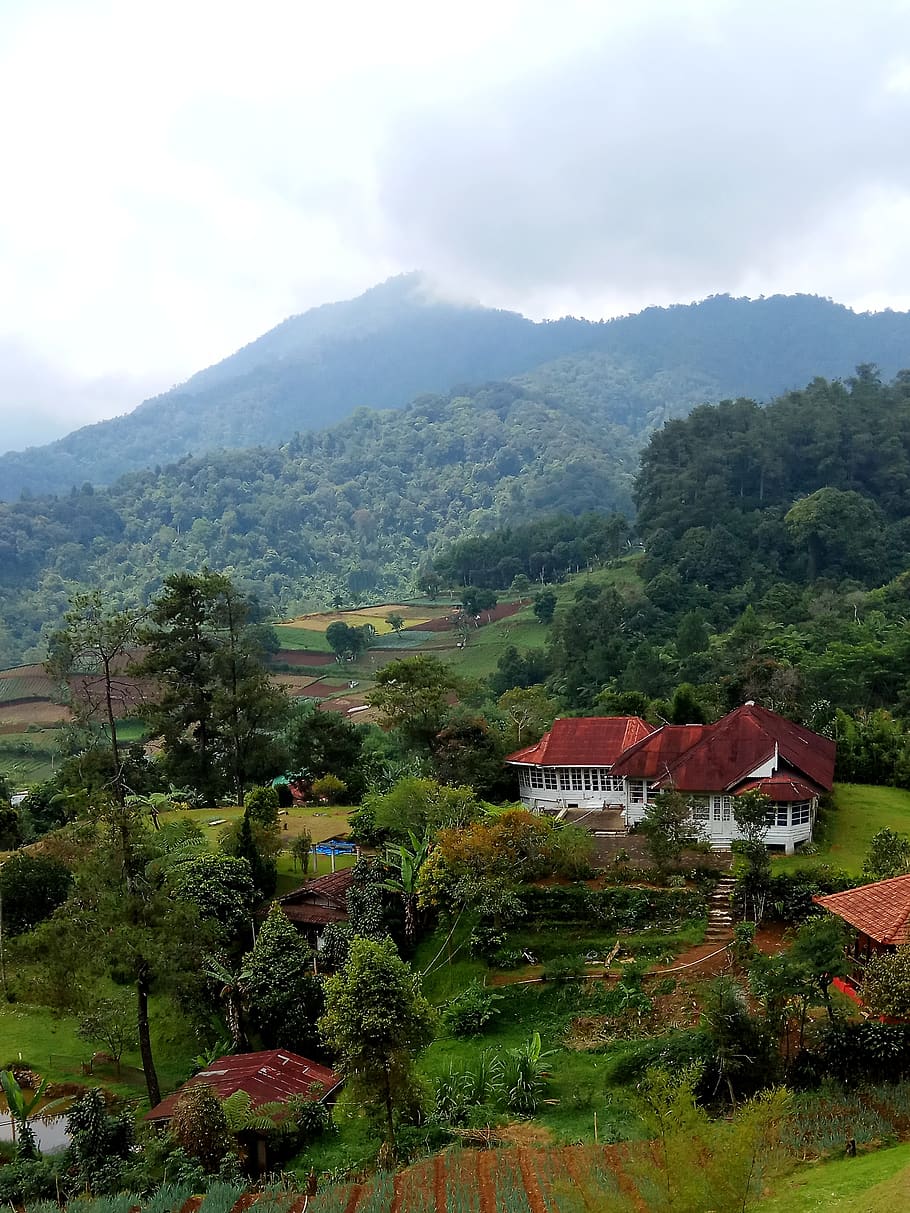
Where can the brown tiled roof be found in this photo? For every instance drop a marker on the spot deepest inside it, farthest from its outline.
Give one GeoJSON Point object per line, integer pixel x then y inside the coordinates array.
{"type": "Point", "coordinates": [273, 1075]}
{"type": "Point", "coordinates": [653, 756]}
{"type": "Point", "coordinates": [880, 910]}
{"type": "Point", "coordinates": [594, 741]}
{"type": "Point", "coordinates": [331, 887]}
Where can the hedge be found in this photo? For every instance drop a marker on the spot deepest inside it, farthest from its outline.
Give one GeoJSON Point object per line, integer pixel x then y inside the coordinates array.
{"type": "Point", "coordinates": [613, 908]}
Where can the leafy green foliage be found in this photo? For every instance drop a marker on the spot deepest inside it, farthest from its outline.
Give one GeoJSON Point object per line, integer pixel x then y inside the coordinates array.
{"type": "Point", "coordinates": [886, 983]}
{"type": "Point", "coordinates": [377, 1021]}
{"type": "Point", "coordinates": [283, 996]}
{"type": "Point", "coordinates": [888, 855]}
{"type": "Point", "coordinates": [31, 887]}
{"type": "Point", "coordinates": [472, 1011]}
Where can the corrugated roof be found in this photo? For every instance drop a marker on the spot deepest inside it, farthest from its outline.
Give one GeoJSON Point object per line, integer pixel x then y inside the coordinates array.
{"type": "Point", "coordinates": [272, 1075]}
{"type": "Point", "coordinates": [584, 741]}
{"type": "Point", "coordinates": [880, 910]}
{"type": "Point", "coordinates": [718, 757]}
{"type": "Point", "coordinates": [780, 789]}
{"type": "Point", "coordinates": [653, 756]}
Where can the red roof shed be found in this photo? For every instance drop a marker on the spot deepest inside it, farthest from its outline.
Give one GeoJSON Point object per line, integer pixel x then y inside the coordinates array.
{"type": "Point", "coordinates": [274, 1075]}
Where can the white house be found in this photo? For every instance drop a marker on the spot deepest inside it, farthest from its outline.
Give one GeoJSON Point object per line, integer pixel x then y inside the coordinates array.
{"type": "Point", "coordinates": [620, 762]}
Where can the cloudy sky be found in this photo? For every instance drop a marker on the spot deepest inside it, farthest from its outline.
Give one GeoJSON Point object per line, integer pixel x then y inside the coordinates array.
{"type": "Point", "coordinates": [180, 176]}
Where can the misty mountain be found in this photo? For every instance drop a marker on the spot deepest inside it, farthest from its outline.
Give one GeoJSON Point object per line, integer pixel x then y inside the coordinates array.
{"type": "Point", "coordinates": [397, 341]}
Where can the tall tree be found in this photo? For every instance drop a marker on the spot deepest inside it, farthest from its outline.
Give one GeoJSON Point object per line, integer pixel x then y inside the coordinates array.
{"type": "Point", "coordinates": [90, 655]}
{"type": "Point", "coordinates": [283, 995]}
{"type": "Point", "coordinates": [377, 1021]}
{"type": "Point", "coordinates": [412, 696]}
{"type": "Point", "coordinates": [217, 708]}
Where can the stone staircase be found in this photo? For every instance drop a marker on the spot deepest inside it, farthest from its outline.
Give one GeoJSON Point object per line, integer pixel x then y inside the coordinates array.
{"type": "Point", "coordinates": [720, 914]}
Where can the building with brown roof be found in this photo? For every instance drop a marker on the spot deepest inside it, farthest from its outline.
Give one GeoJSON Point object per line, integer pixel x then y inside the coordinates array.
{"type": "Point", "coordinates": [317, 903]}
{"type": "Point", "coordinates": [270, 1076]}
{"type": "Point", "coordinates": [879, 914]}
{"type": "Point", "coordinates": [622, 762]}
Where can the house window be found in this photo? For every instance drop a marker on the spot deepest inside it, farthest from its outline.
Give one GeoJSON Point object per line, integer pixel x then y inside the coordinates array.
{"type": "Point", "coordinates": [802, 812]}
{"type": "Point", "coordinates": [536, 777]}
{"type": "Point", "coordinates": [700, 810]}
{"type": "Point", "coordinates": [522, 777]}
{"type": "Point", "coordinates": [577, 785]}
{"type": "Point", "coordinates": [549, 779]}
{"type": "Point", "coordinates": [564, 781]}
{"type": "Point", "coordinates": [590, 778]}
{"type": "Point", "coordinates": [636, 791]}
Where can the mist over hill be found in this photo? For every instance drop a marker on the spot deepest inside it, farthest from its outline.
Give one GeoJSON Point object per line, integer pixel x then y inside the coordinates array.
{"type": "Point", "coordinates": [397, 341]}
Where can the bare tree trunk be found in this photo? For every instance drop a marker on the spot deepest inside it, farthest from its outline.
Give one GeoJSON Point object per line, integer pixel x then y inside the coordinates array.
{"type": "Point", "coordinates": [145, 1040]}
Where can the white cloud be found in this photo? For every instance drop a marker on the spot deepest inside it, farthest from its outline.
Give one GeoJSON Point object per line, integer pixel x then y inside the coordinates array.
{"type": "Point", "coordinates": [179, 177]}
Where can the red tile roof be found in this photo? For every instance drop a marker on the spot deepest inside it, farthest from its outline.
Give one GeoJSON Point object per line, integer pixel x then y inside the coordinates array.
{"type": "Point", "coordinates": [273, 1075]}
{"type": "Point", "coordinates": [333, 886]}
{"type": "Point", "coordinates": [880, 910]}
{"type": "Point", "coordinates": [595, 741]}
{"type": "Point", "coordinates": [780, 789]}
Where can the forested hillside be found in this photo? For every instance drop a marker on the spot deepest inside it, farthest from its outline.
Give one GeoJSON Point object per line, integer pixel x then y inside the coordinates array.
{"type": "Point", "coordinates": [397, 341]}
{"type": "Point", "coordinates": [354, 509]}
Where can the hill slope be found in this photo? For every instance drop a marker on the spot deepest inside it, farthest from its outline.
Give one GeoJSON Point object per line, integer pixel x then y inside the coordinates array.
{"type": "Point", "coordinates": [396, 341]}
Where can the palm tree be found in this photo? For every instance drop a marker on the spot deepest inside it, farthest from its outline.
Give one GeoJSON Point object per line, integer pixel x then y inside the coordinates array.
{"type": "Point", "coordinates": [233, 984]}
{"type": "Point", "coordinates": [407, 863]}
{"type": "Point", "coordinates": [23, 1106]}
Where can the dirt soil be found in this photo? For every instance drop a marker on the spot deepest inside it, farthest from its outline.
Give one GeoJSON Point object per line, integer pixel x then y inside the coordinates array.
{"type": "Point", "coordinates": [502, 611]}
{"type": "Point", "coordinates": [304, 657]}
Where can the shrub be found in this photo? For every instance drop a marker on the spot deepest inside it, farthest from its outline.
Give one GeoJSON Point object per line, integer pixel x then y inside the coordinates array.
{"type": "Point", "coordinates": [471, 1012]}
{"type": "Point", "coordinates": [329, 788]}
{"type": "Point", "coordinates": [563, 968]}
{"type": "Point", "coordinates": [261, 805]}
{"type": "Point", "coordinates": [614, 908]}
{"type": "Point", "coordinates": [856, 1052]}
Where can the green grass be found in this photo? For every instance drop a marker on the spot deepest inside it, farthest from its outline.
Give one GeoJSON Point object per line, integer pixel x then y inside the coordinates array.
{"type": "Point", "coordinates": [487, 644]}
{"type": "Point", "coordinates": [28, 758]}
{"type": "Point", "coordinates": [302, 638]}
{"type": "Point", "coordinates": [322, 823]}
{"type": "Point", "coordinates": [874, 1183]}
{"type": "Point", "coordinates": [49, 1042]}
{"type": "Point", "coordinates": [860, 811]}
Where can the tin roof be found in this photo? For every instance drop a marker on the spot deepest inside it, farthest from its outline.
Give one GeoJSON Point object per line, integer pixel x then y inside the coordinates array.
{"type": "Point", "coordinates": [584, 741]}
{"type": "Point", "coordinates": [780, 788]}
{"type": "Point", "coordinates": [273, 1075]}
{"type": "Point", "coordinates": [718, 757]}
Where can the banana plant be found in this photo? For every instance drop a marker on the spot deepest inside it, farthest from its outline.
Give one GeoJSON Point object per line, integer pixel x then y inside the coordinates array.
{"type": "Point", "coordinates": [407, 862]}
{"type": "Point", "coordinates": [23, 1106]}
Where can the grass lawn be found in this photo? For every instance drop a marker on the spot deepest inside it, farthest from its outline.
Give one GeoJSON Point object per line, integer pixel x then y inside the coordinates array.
{"type": "Point", "coordinates": [322, 823]}
{"type": "Point", "coordinates": [49, 1042]}
{"type": "Point", "coordinates": [874, 1183]}
{"type": "Point", "coordinates": [860, 811]}
{"type": "Point", "coordinates": [291, 637]}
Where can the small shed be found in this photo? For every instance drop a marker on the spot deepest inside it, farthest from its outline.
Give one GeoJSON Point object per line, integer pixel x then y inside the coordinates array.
{"type": "Point", "coordinates": [879, 914]}
{"type": "Point", "coordinates": [317, 903]}
{"type": "Point", "coordinates": [269, 1076]}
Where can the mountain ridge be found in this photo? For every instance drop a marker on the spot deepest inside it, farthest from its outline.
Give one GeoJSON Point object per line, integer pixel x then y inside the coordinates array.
{"type": "Point", "coordinates": [397, 341]}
